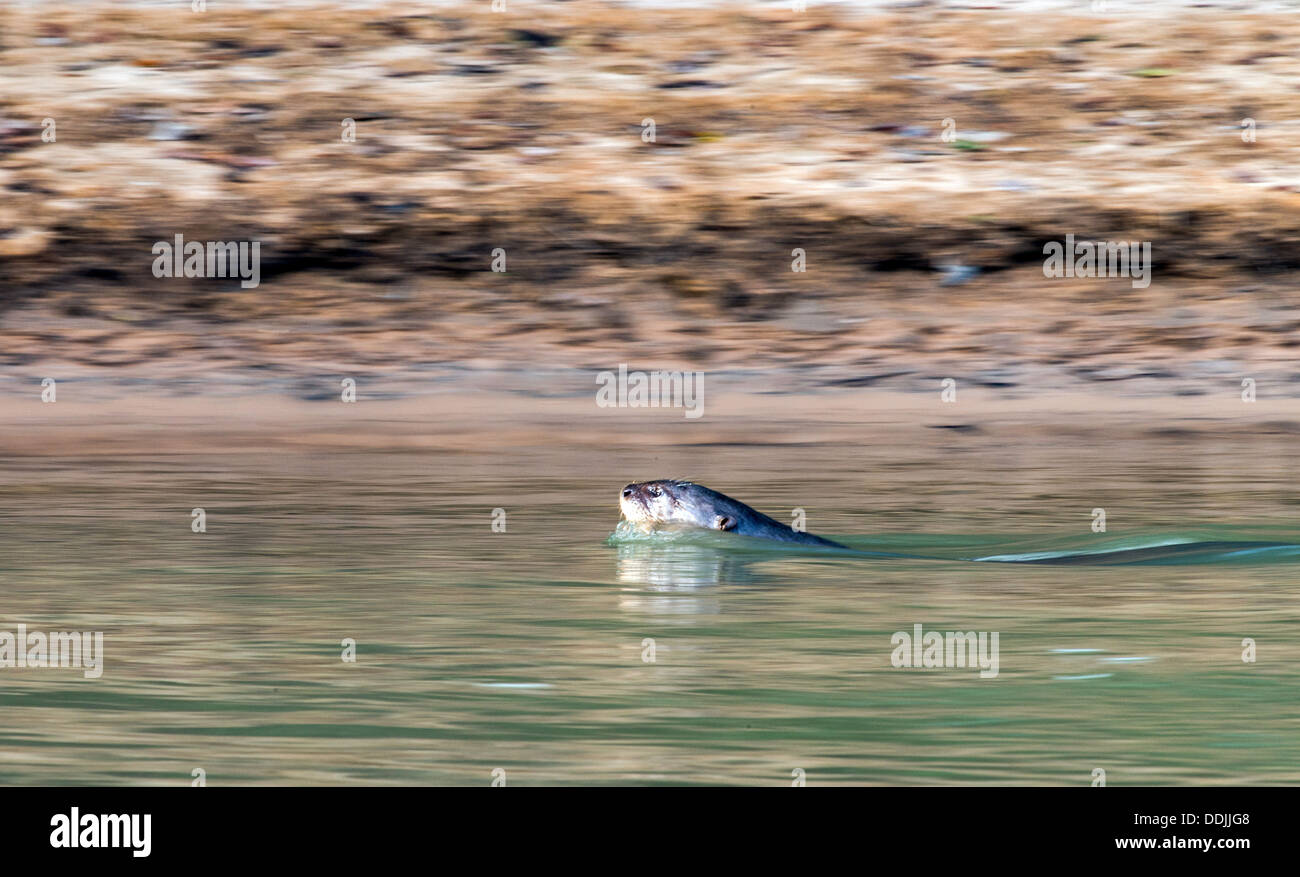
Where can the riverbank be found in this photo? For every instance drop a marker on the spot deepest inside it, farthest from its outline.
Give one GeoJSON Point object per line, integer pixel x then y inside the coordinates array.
{"type": "Point", "coordinates": [774, 132]}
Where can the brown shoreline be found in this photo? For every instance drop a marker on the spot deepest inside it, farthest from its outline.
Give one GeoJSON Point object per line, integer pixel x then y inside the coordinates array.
{"type": "Point", "coordinates": [819, 131]}
{"type": "Point", "coordinates": [481, 420]}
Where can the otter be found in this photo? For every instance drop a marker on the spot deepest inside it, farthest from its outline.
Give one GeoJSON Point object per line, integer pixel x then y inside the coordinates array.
{"type": "Point", "coordinates": [684, 503]}
{"type": "Point", "coordinates": [673, 503]}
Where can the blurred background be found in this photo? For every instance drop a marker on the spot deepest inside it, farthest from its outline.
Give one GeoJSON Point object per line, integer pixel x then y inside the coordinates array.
{"type": "Point", "coordinates": [646, 175]}
{"type": "Point", "coordinates": [920, 154]}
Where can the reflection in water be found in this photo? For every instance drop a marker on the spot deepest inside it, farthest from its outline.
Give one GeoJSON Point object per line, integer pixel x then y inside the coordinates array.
{"type": "Point", "coordinates": [667, 576]}
{"type": "Point", "coordinates": [669, 604]}
{"type": "Point", "coordinates": [668, 566]}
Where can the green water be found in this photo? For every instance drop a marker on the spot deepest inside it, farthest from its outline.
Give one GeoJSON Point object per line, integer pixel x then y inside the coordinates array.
{"type": "Point", "coordinates": [526, 650]}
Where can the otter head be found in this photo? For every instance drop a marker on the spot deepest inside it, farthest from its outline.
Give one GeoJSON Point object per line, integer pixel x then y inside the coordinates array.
{"type": "Point", "coordinates": [654, 503]}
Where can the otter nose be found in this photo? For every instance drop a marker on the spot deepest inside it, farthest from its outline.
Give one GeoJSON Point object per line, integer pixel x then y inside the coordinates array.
{"type": "Point", "coordinates": [627, 491]}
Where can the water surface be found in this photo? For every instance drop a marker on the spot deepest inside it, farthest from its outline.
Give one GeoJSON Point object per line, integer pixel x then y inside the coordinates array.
{"type": "Point", "coordinates": [525, 650]}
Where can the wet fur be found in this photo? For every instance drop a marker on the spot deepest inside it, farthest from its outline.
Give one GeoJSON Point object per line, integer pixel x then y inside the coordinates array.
{"type": "Point", "coordinates": [665, 502]}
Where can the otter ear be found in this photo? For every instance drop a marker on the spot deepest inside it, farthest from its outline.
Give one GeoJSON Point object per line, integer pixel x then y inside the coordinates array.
{"type": "Point", "coordinates": [724, 522]}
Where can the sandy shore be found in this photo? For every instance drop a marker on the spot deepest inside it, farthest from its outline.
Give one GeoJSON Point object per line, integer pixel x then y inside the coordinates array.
{"type": "Point", "coordinates": [459, 421]}
{"type": "Point", "coordinates": [823, 131]}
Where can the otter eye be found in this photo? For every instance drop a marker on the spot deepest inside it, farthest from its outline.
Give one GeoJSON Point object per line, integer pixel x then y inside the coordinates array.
{"type": "Point", "coordinates": [655, 491]}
